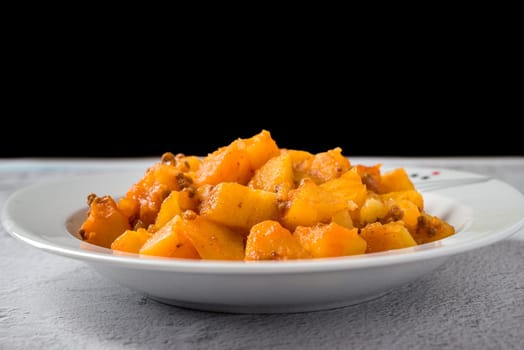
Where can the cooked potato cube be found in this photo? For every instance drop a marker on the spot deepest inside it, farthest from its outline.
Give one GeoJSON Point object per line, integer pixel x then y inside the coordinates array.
{"type": "Point", "coordinates": [343, 218]}
{"type": "Point", "coordinates": [348, 187]}
{"type": "Point", "coordinates": [396, 180]}
{"type": "Point", "coordinates": [412, 196]}
{"type": "Point", "coordinates": [143, 200]}
{"type": "Point", "coordinates": [393, 235]}
{"type": "Point", "coordinates": [411, 214]}
{"type": "Point", "coordinates": [259, 148]}
{"type": "Point", "coordinates": [310, 204]}
{"type": "Point", "coordinates": [170, 241]}
{"type": "Point", "coordinates": [238, 161]}
{"type": "Point", "coordinates": [323, 166]}
{"type": "Point", "coordinates": [372, 210]}
{"type": "Point", "coordinates": [370, 176]}
{"type": "Point", "coordinates": [268, 240]}
{"type": "Point", "coordinates": [212, 240]}
{"type": "Point", "coordinates": [104, 223]}
{"type": "Point", "coordinates": [226, 164]}
{"type": "Point", "coordinates": [238, 206]}
{"type": "Point", "coordinates": [276, 175]}
{"type": "Point", "coordinates": [331, 240]}
{"type": "Point", "coordinates": [131, 241]}
{"type": "Point", "coordinates": [168, 209]}
{"type": "Point", "coordinates": [430, 229]}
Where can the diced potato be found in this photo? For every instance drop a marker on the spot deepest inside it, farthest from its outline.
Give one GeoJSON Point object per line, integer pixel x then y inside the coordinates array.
{"type": "Point", "coordinates": [238, 206]}
{"type": "Point", "coordinates": [372, 210]}
{"type": "Point", "coordinates": [128, 207]}
{"type": "Point", "coordinates": [186, 164]}
{"type": "Point", "coordinates": [297, 156]}
{"type": "Point", "coordinates": [310, 204]}
{"type": "Point", "coordinates": [131, 241]}
{"type": "Point", "coordinates": [412, 196]}
{"type": "Point", "coordinates": [430, 228]}
{"type": "Point", "coordinates": [226, 164]}
{"type": "Point", "coordinates": [192, 236]}
{"type": "Point", "coordinates": [348, 187]}
{"type": "Point", "coordinates": [392, 235]}
{"type": "Point", "coordinates": [268, 240]}
{"type": "Point", "coordinates": [170, 241]}
{"type": "Point", "coordinates": [168, 209]}
{"type": "Point", "coordinates": [276, 175]}
{"type": "Point", "coordinates": [238, 161]}
{"type": "Point", "coordinates": [370, 176]}
{"type": "Point", "coordinates": [301, 162]}
{"type": "Point", "coordinates": [212, 240]}
{"type": "Point", "coordinates": [143, 200]}
{"type": "Point", "coordinates": [343, 218]}
{"type": "Point", "coordinates": [411, 214]}
{"type": "Point", "coordinates": [331, 240]}
{"type": "Point", "coordinates": [324, 166]}
{"type": "Point", "coordinates": [175, 204]}
{"type": "Point", "coordinates": [193, 161]}
{"type": "Point", "coordinates": [104, 223]}
{"type": "Point", "coordinates": [260, 148]}
{"type": "Point", "coordinates": [396, 180]}
{"type": "Point", "coordinates": [188, 199]}
{"type": "Point", "coordinates": [328, 165]}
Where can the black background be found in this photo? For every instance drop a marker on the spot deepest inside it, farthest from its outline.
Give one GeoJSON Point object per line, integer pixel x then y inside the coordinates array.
{"type": "Point", "coordinates": [357, 135]}
{"type": "Point", "coordinates": [399, 130]}
{"type": "Point", "coordinates": [142, 123]}
{"type": "Point", "coordinates": [377, 106]}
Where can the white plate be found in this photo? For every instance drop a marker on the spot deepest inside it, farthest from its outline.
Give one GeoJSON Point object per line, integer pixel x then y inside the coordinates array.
{"type": "Point", "coordinates": [44, 215]}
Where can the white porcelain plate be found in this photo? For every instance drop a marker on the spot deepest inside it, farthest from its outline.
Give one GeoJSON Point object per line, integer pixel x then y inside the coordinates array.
{"type": "Point", "coordinates": [482, 210]}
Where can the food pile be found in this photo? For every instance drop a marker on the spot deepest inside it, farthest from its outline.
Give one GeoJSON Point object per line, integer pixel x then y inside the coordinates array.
{"type": "Point", "coordinates": [252, 200]}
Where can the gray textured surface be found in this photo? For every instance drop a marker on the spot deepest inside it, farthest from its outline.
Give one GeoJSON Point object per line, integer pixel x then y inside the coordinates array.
{"type": "Point", "coordinates": [474, 301]}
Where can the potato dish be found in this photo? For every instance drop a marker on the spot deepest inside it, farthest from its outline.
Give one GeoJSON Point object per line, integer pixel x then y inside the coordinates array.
{"type": "Point", "coordinates": [251, 200]}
